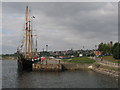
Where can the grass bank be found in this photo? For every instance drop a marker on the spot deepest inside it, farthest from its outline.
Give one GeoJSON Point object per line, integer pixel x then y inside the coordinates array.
{"type": "Point", "coordinates": [111, 59]}
{"type": "Point", "coordinates": [106, 70]}
{"type": "Point", "coordinates": [98, 65]}
{"type": "Point", "coordinates": [82, 60]}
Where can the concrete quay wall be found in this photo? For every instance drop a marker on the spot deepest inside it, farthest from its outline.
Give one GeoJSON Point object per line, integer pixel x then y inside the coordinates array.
{"type": "Point", "coordinates": [75, 66]}
{"type": "Point", "coordinates": [46, 67]}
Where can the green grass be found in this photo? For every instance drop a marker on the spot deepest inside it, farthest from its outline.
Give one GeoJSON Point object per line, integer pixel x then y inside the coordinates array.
{"type": "Point", "coordinates": [105, 67]}
{"type": "Point", "coordinates": [110, 58]}
{"type": "Point", "coordinates": [97, 64]}
{"type": "Point", "coordinates": [82, 60]}
{"type": "Point", "coordinates": [110, 68]}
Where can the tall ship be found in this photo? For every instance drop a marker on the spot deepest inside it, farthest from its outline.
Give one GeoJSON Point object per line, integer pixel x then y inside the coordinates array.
{"type": "Point", "coordinates": [27, 51]}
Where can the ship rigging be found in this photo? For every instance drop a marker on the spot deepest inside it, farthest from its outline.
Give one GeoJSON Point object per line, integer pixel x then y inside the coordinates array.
{"type": "Point", "coordinates": [26, 52]}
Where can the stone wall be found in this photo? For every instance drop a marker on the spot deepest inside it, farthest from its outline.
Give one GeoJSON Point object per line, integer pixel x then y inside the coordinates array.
{"type": "Point", "coordinates": [46, 67]}
{"type": "Point", "coordinates": [75, 66]}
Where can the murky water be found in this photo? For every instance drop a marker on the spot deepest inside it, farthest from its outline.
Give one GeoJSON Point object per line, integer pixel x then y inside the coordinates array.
{"type": "Point", "coordinates": [11, 78]}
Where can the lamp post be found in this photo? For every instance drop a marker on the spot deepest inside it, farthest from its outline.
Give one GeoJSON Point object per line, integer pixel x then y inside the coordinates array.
{"type": "Point", "coordinates": [43, 49]}
{"type": "Point", "coordinates": [46, 48]}
{"type": "Point", "coordinates": [83, 47]}
{"type": "Point", "coordinates": [95, 47]}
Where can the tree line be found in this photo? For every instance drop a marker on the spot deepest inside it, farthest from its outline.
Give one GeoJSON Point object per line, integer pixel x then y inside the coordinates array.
{"type": "Point", "coordinates": [110, 49]}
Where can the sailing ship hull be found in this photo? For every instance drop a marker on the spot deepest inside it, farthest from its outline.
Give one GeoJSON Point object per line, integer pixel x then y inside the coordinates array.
{"type": "Point", "coordinates": [24, 64]}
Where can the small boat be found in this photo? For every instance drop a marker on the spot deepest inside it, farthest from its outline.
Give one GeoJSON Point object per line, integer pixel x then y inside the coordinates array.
{"type": "Point", "coordinates": [25, 51]}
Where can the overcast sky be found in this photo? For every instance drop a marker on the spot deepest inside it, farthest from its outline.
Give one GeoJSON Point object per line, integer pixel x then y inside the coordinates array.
{"type": "Point", "coordinates": [61, 25]}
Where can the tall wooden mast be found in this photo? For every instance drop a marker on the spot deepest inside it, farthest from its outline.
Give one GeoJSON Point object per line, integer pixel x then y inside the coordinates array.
{"type": "Point", "coordinates": [28, 44]}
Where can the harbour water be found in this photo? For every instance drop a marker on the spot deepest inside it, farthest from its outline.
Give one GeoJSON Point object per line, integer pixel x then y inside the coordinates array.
{"type": "Point", "coordinates": [0, 74]}
{"type": "Point", "coordinates": [11, 78]}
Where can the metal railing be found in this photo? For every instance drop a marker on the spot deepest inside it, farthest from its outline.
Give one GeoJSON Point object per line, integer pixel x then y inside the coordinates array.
{"type": "Point", "coordinates": [102, 61]}
{"type": "Point", "coordinates": [107, 62]}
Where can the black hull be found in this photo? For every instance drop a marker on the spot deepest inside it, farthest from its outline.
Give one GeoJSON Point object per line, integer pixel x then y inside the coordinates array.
{"type": "Point", "coordinates": [24, 65]}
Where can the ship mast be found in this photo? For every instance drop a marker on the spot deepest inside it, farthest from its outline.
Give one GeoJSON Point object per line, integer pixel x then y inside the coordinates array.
{"type": "Point", "coordinates": [28, 36]}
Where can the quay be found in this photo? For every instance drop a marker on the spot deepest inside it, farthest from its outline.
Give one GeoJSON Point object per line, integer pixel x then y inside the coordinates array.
{"type": "Point", "coordinates": [47, 65]}
{"type": "Point", "coordinates": [58, 65]}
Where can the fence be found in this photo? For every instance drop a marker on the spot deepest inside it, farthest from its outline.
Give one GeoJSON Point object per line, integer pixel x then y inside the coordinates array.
{"type": "Point", "coordinates": [106, 62]}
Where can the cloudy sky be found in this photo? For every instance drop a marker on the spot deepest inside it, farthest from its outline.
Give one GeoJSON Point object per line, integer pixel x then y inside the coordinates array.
{"type": "Point", "coordinates": [60, 25]}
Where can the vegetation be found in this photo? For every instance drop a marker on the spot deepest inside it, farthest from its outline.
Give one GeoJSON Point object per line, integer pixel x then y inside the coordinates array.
{"type": "Point", "coordinates": [82, 60]}
{"type": "Point", "coordinates": [96, 64]}
{"type": "Point", "coordinates": [110, 49]}
{"type": "Point", "coordinates": [44, 53]}
{"type": "Point", "coordinates": [8, 56]}
{"type": "Point", "coordinates": [116, 50]}
{"type": "Point", "coordinates": [110, 58]}
{"type": "Point", "coordinates": [106, 49]}
{"type": "Point", "coordinates": [106, 67]}
{"type": "Point", "coordinates": [110, 68]}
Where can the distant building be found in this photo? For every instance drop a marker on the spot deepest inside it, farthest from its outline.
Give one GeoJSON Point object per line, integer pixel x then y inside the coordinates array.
{"type": "Point", "coordinates": [80, 55]}
{"type": "Point", "coordinates": [97, 53]}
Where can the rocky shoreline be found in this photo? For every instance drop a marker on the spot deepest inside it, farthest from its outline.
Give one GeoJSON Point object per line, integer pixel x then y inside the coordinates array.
{"type": "Point", "coordinates": [106, 70]}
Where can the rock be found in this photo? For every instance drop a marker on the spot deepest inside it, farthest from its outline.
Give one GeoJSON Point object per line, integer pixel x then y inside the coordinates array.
{"type": "Point", "coordinates": [90, 67]}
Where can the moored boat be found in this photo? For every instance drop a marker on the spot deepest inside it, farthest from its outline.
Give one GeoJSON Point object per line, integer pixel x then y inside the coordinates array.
{"type": "Point", "coordinates": [26, 52]}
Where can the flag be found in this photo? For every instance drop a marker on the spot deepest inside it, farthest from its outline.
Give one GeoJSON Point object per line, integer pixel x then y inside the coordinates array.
{"type": "Point", "coordinates": [33, 16]}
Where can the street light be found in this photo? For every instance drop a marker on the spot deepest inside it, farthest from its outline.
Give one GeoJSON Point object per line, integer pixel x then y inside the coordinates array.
{"type": "Point", "coordinates": [46, 48]}
{"type": "Point", "coordinates": [95, 47]}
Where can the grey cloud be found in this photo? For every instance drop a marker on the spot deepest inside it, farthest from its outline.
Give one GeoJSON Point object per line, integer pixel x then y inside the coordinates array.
{"type": "Point", "coordinates": [64, 25]}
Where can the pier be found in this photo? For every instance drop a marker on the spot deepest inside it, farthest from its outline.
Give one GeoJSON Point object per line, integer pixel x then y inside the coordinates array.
{"type": "Point", "coordinates": [58, 65]}
{"type": "Point", "coordinates": [47, 65]}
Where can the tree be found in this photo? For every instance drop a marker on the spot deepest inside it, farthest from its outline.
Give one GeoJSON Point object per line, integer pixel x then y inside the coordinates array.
{"type": "Point", "coordinates": [116, 50]}
{"type": "Point", "coordinates": [105, 48]}
{"type": "Point", "coordinates": [100, 46]}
